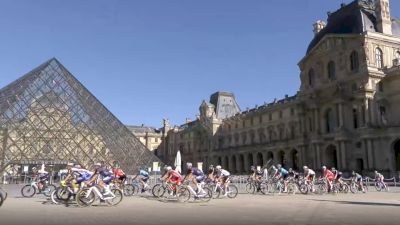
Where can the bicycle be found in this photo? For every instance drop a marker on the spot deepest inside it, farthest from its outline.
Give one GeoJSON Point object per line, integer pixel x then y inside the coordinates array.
{"type": "Point", "coordinates": [136, 188]}
{"type": "Point", "coordinates": [292, 187]}
{"type": "Point", "coordinates": [204, 195]}
{"type": "Point", "coordinates": [339, 187]}
{"type": "Point", "coordinates": [275, 186]}
{"type": "Point", "coordinates": [381, 186]}
{"type": "Point", "coordinates": [231, 191]}
{"type": "Point", "coordinates": [356, 187]}
{"type": "Point", "coordinates": [37, 187]}
{"type": "Point", "coordinates": [88, 195]}
{"type": "Point", "coordinates": [260, 186]}
{"type": "Point", "coordinates": [167, 190]}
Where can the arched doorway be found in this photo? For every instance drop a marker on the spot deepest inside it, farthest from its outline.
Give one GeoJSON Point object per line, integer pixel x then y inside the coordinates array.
{"type": "Point", "coordinates": [331, 156]}
{"type": "Point", "coordinates": [241, 164]}
{"type": "Point", "coordinates": [295, 159]}
{"type": "Point", "coordinates": [233, 164]}
{"type": "Point", "coordinates": [219, 162]}
{"type": "Point", "coordinates": [396, 148]}
{"type": "Point", "coordinates": [226, 162]}
{"type": "Point", "coordinates": [260, 161]}
{"type": "Point", "coordinates": [270, 157]}
{"type": "Point", "coordinates": [281, 158]}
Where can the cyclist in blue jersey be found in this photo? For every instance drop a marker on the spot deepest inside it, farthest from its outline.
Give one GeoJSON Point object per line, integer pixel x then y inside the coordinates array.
{"type": "Point", "coordinates": [195, 175]}
{"type": "Point", "coordinates": [284, 174]}
{"type": "Point", "coordinates": [144, 177]}
{"type": "Point", "coordinates": [103, 177]}
{"type": "Point", "coordinates": [358, 178]}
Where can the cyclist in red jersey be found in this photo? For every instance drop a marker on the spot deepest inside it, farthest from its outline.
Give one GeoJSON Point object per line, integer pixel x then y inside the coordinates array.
{"type": "Point", "coordinates": [173, 176]}
{"type": "Point", "coordinates": [329, 176]}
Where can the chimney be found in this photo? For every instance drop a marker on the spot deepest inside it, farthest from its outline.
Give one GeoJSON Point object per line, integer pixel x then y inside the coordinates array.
{"type": "Point", "coordinates": [318, 26]}
{"type": "Point", "coordinates": [383, 20]}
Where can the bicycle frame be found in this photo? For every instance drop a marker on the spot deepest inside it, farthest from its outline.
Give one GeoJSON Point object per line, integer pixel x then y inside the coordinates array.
{"type": "Point", "coordinates": [98, 193]}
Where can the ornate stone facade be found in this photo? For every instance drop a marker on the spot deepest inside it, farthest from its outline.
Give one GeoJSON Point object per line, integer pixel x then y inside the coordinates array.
{"type": "Point", "coordinates": [345, 113]}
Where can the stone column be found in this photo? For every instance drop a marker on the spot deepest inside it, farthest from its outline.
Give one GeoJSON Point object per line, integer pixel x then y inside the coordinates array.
{"type": "Point", "coordinates": [370, 157]}
{"type": "Point", "coordinates": [343, 155]}
{"type": "Point", "coordinates": [318, 156]}
{"type": "Point", "coordinates": [340, 116]}
{"type": "Point", "coordinates": [367, 112]}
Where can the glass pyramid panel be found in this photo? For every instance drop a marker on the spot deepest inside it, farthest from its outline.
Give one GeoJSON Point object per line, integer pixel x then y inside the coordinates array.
{"type": "Point", "coordinates": [48, 116]}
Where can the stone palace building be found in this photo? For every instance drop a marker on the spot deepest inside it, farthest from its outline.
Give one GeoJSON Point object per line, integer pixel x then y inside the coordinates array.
{"type": "Point", "coordinates": [346, 112]}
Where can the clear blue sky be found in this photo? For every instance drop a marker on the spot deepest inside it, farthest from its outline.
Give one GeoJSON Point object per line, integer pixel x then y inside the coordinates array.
{"type": "Point", "coordinates": [146, 60]}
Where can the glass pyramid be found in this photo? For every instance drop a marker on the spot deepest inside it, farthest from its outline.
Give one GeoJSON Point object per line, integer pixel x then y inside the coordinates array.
{"type": "Point", "coordinates": [48, 116]}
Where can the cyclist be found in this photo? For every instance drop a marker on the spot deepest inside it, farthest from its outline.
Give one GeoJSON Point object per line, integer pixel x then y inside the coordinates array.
{"type": "Point", "coordinates": [256, 176]}
{"type": "Point", "coordinates": [80, 175]}
{"type": "Point", "coordinates": [379, 178]}
{"type": "Point", "coordinates": [283, 174]}
{"type": "Point", "coordinates": [211, 172]}
{"type": "Point", "coordinates": [275, 172]}
{"type": "Point", "coordinates": [293, 174]}
{"type": "Point", "coordinates": [144, 177]}
{"type": "Point", "coordinates": [223, 177]}
{"type": "Point", "coordinates": [119, 173]}
{"type": "Point", "coordinates": [329, 176]}
{"type": "Point", "coordinates": [173, 177]}
{"type": "Point", "coordinates": [102, 176]}
{"type": "Point", "coordinates": [195, 175]}
{"type": "Point", "coordinates": [42, 176]}
{"type": "Point", "coordinates": [338, 175]}
{"type": "Point", "coordinates": [309, 176]}
{"type": "Point", "coordinates": [358, 178]}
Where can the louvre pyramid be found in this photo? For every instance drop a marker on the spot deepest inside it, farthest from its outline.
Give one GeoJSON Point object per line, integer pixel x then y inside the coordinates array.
{"type": "Point", "coordinates": [49, 116]}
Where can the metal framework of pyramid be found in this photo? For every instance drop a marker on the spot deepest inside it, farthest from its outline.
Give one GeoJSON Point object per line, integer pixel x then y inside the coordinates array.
{"type": "Point", "coordinates": [48, 116]}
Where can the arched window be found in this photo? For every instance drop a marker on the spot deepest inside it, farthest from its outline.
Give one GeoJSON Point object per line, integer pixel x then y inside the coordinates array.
{"type": "Point", "coordinates": [329, 121]}
{"type": "Point", "coordinates": [397, 55]}
{"type": "Point", "coordinates": [311, 77]}
{"type": "Point", "coordinates": [354, 63]}
{"type": "Point", "coordinates": [331, 70]}
{"type": "Point", "coordinates": [378, 58]}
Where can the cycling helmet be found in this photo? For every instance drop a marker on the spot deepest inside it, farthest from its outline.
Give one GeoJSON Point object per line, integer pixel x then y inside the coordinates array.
{"type": "Point", "coordinates": [252, 168]}
{"type": "Point", "coordinates": [169, 168]}
{"type": "Point", "coordinates": [97, 164]}
{"type": "Point", "coordinates": [333, 169]}
{"type": "Point", "coordinates": [290, 170]}
{"type": "Point", "coordinates": [353, 172]}
{"type": "Point", "coordinates": [70, 164]}
{"type": "Point", "coordinates": [166, 167]}
{"type": "Point", "coordinates": [376, 172]}
{"type": "Point", "coordinates": [77, 166]}
{"type": "Point", "coordinates": [279, 166]}
{"type": "Point", "coordinates": [189, 165]}
{"type": "Point", "coordinates": [324, 167]}
{"type": "Point", "coordinates": [218, 167]}
{"type": "Point", "coordinates": [305, 168]}
{"type": "Point", "coordinates": [33, 168]}
{"type": "Point", "coordinates": [211, 167]}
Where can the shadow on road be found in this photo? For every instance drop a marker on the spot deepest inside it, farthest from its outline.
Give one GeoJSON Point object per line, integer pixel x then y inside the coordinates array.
{"type": "Point", "coordinates": [358, 203]}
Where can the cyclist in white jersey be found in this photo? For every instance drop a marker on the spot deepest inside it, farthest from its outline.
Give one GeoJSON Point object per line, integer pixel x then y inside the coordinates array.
{"type": "Point", "coordinates": [223, 176]}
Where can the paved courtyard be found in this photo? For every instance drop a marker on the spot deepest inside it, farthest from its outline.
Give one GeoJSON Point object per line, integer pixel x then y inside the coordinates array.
{"type": "Point", "coordinates": [371, 208]}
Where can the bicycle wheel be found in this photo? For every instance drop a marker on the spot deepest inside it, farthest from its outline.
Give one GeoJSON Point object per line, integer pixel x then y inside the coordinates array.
{"type": "Point", "coordinates": [84, 201]}
{"type": "Point", "coordinates": [1, 199]}
{"type": "Point", "coordinates": [216, 192]}
{"type": "Point", "coordinates": [378, 187]}
{"type": "Point", "coordinates": [207, 196]}
{"type": "Point", "coordinates": [54, 198]}
{"type": "Point", "coordinates": [291, 189]}
{"type": "Point", "coordinates": [354, 188]}
{"type": "Point", "coordinates": [344, 188]}
{"type": "Point", "coordinates": [48, 189]}
{"type": "Point", "coordinates": [128, 189]}
{"type": "Point", "coordinates": [183, 194]}
{"type": "Point", "coordinates": [232, 191]}
{"type": "Point", "coordinates": [321, 189]}
{"type": "Point", "coordinates": [264, 188]}
{"type": "Point", "coordinates": [304, 189]}
{"type": "Point", "coordinates": [117, 199]}
{"type": "Point", "coordinates": [62, 193]}
{"type": "Point", "coordinates": [158, 191]}
{"type": "Point", "coordinates": [28, 191]}
{"type": "Point", "coordinates": [250, 188]}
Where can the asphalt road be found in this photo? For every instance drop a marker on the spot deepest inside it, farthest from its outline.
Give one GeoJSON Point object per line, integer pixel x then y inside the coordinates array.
{"type": "Point", "coordinates": [371, 208]}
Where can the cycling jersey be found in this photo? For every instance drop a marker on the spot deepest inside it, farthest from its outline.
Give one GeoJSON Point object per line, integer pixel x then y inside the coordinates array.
{"type": "Point", "coordinates": [223, 173]}
{"type": "Point", "coordinates": [144, 173]}
{"type": "Point", "coordinates": [118, 172]}
{"type": "Point", "coordinates": [357, 177]}
{"type": "Point", "coordinates": [82, 174]}
{"type": "Point", "coordinates": [197, 173]}
{"type": "Point", "coordinates": [329, 175]}
{"type": "Point", "coordinates": [309, 172]}
{"type": "Point", "coordinates": [283, 172]}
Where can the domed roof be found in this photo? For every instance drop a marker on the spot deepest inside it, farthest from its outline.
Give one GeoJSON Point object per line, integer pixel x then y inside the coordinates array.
{"type": "Point", "coordinates": [354, 18]}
